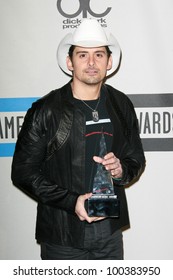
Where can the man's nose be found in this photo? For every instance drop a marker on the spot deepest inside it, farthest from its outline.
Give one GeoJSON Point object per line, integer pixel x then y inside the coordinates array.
{"type": "Point", "coordinates": [91, 60]}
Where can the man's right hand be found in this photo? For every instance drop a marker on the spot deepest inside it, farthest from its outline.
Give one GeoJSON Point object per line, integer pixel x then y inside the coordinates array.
{"type": "Point", "coordinates": [80, 209]}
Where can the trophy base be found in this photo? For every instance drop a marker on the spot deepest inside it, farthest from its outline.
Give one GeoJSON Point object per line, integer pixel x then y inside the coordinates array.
{"type": "Point", "coordinates": [103, 206]}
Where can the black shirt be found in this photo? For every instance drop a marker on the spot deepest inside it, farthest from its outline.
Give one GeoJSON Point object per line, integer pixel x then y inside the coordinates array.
{"type": "Point", "coordinates": [93, 134]}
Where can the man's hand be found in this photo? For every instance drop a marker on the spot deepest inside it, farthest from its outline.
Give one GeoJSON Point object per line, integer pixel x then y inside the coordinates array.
{"type": "Point", "coordinates": [80, 209]}
{"type": "Point", "coordinates": [111, 163]}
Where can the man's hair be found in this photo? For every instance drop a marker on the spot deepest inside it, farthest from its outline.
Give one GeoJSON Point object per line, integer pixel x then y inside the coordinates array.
{"type": "Point", "coordinates": [71, 49]}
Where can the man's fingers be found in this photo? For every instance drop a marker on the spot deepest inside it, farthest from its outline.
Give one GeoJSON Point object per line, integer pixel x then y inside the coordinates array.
{"type": "Point", "coordinates": [98, 159]}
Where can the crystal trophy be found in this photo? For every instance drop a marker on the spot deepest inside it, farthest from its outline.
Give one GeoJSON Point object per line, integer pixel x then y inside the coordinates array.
{"type": "Point", "coordinates": [104, 202]}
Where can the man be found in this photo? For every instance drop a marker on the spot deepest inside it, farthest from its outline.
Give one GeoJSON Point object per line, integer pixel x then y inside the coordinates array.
{"type": "Point", "coordinates": [58, 147]}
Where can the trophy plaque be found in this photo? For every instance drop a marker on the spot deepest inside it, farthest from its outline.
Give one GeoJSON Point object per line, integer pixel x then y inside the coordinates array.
{"type": "Point", "coordinates": [104, 202]}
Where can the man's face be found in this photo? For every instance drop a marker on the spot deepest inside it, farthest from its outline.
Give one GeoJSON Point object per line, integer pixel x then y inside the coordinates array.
{"type": "Point", "coordinates": [89, 65]}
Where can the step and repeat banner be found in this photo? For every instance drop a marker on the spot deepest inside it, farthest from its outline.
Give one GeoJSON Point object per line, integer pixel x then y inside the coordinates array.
{"type": "Point", "coordinates": [30, 32]}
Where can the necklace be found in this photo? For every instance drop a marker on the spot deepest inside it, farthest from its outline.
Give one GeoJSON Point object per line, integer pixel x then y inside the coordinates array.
{"type": "Point", "coordinates": [95, 114]}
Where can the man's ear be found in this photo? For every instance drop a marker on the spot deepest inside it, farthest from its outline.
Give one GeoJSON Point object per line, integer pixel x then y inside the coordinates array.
{"type": "Point", "coordinates": [109, 65]}
{"type": "Point", "coordinates": [69, 63]}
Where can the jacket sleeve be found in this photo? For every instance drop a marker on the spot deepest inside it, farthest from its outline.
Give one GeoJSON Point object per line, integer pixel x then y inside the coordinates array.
{"type": "Point", "coordinates": [127, 143]}
{"type": "Point", "coordinates": [28, 159]}
{"type": "Point", "coordinates": [132, 158]}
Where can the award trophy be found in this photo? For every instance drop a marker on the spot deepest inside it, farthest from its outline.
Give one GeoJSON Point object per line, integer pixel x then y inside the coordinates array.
{"type": "Point", "coordinates": [104, 202]}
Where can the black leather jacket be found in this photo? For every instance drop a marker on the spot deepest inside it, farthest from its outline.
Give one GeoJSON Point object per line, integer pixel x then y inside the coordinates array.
{"type": "Point", "coordinates": [49, 161]}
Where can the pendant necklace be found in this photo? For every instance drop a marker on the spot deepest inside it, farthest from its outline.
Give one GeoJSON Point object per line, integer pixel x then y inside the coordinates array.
{"type": "Point", "coordinates": [95, 114]}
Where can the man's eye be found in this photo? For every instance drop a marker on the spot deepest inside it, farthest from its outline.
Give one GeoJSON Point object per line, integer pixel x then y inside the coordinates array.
{"type": "Point", "coordinates": [82, 55]}
{"type": "Point", "coordinates": [99, 55]}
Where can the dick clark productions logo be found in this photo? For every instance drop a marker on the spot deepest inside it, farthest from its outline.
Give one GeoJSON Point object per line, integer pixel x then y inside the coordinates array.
{"type": "Point", "coordinates": [84, 8]}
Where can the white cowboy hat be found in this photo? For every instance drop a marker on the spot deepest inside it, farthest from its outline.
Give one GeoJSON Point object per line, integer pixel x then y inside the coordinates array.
{"type": "Point", "coordinates": [89, 34]}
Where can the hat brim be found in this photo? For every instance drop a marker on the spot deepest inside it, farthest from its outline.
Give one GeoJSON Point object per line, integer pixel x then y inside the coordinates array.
{"type": "Point", "coordinates": [67, 42]}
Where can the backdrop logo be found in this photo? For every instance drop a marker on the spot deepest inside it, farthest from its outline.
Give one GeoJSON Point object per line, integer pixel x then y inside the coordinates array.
{"type": "Point", "coordinates": [84, 9]}
{"type": "Point", "coordinates": [12, 112]}
{"type": "Point", "coordinates": [155, 117]}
